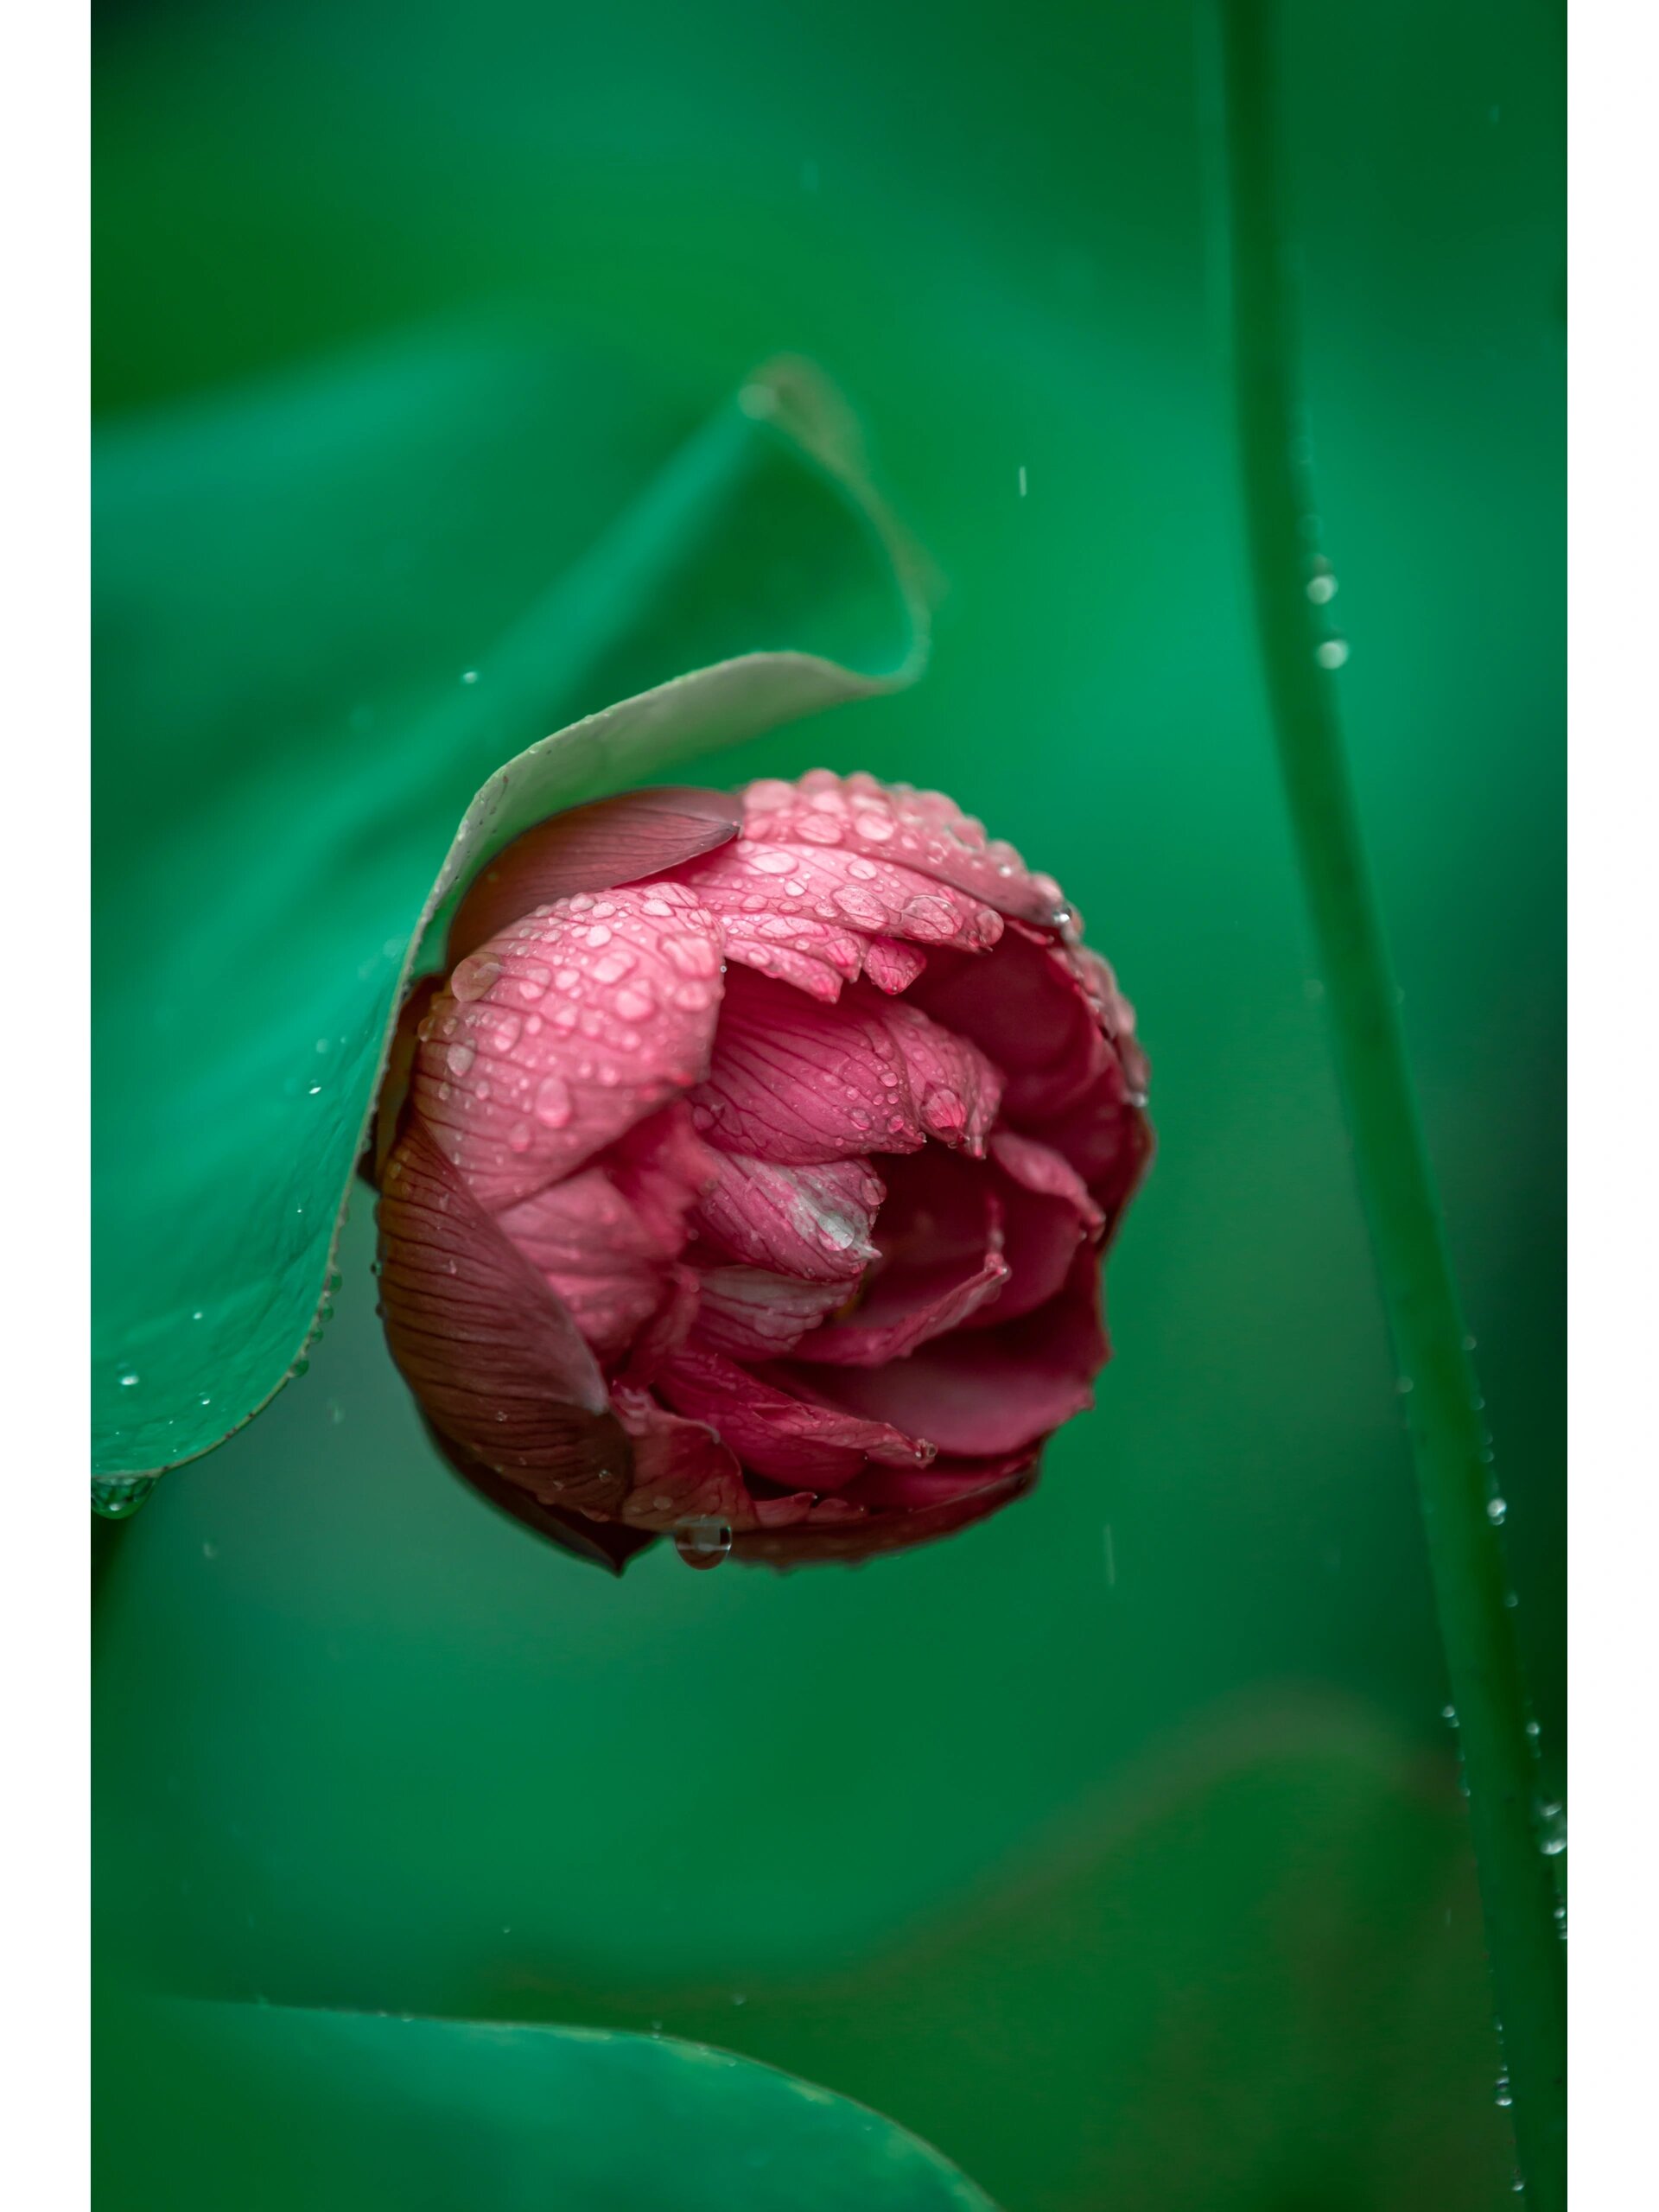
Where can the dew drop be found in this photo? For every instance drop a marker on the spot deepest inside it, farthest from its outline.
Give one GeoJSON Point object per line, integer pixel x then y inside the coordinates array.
{"type": "Point", "coordinates": [473, 976]}
{"type": "Point", "coordinates": [702, 1543]}
{"type": "Point", "coordinates": [460, 1058]}
{"type": "Point", "coordinates": [691, 956]}
{"type": "Point", "coordinates": [553, 1103]}
{"type": "Point", "coordinates": [1332, 654]}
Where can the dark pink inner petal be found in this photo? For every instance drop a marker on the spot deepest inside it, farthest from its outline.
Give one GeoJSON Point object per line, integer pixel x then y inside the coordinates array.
{"type": "Point", "coordinates": [812, 1222]}
{"type": "Point", "coordinates": [494, 1357]}
{"type": "Point", "coordinates": [980, 1392]}
{"type": "Point", "coordinates": [910, 1489]}
{"type": "Point", "coordinates": [753, 1314]}
{"type": "Point", "coordinates": [561, 1034]}
{"type": "Point", "coordinates": [1047, 1214]}
{"type": "Point", "coordinates": [940, 1237]}
{"type": "Point", "coordinates": [1024, 1006]}
{"type": "Point", "coordinates": [859, 1536]}
{"type": "Point", "coordinates": [776, 1434]}
{"type": "Point", "coordinates": [614, 840]}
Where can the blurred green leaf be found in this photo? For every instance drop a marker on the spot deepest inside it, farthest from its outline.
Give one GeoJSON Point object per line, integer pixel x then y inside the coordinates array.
{"type": "Point", "coordinates": [327, 614]}
{"type": "Point", "coordinates": [211, 2106]}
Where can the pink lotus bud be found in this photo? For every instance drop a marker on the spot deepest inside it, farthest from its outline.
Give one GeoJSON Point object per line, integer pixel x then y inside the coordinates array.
{"type": "Point", "coordinates": [746, 1178]}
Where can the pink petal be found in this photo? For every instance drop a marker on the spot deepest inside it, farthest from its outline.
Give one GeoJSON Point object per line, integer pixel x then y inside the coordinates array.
{"type": "Point", "coordinates": [983, 1391]}
{"type": "Point", "coordinates": [813, 1223]}
{"type": "Point", "coordinates": [662, 1167]}
{"type": "Point", "coordinates": [682, 1470]}
{"type": "Point", "coordinates": [560, 1034]}
{"type": "Point", "coordinates": [591, 1247]}
{"type": "Point", "coordinates": [800, 886]}
{"type": "Point", "coordinates": [495, 1360]}
{"type": "Point", "coordinates": [751, 1313]}
{"type": "Point", "coordinates": [892, 967]}
{"type": "Point", "coordinates": [776, 1434]}
{"type": "Point", "coordinates": [956, 1088]}
{"type": "Point", "coordinates": [666, 1331]}
{"type": "Point", "coordinates": [811, 955]}
{"type": "Point", "coordinates": [621, 840]}
{"type": "Point", "coordinates": [816, 1541]}
{"type": "Point", "coordinates": [923, 831]}
{"type": "Point", "coordinates": [801, 1084]}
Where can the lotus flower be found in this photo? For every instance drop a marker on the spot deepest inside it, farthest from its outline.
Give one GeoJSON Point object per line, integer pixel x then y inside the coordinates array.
{"type": "Point", "coordinates": [746, 1177]}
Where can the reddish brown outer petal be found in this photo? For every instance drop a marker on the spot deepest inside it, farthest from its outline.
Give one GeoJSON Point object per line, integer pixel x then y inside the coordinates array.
{"type": "Point", "coordinates": [609, 1544]}
{"type": "Point", "coordinates": [394, 1083]}
{"type": "Point", "coordinates": [614, 840]}
{"type": "Point", "coordinates": [494, 1359]}
{"type": "Point", "coordinates": [984, 1393]}
{"type": "Point", "coordinates": [810, 1543]}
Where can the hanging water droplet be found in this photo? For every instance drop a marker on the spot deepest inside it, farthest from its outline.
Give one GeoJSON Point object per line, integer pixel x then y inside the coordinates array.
{"type": "Point", "coordinates": [117, 1498]}
{"type": "Point", "coordinates": [702, 1543]}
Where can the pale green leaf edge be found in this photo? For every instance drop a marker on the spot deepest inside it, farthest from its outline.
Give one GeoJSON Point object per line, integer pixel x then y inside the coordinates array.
{"type": "Point", "coordinates": [907, 2170]}
{"type": "Point", "coordinates": [606, 752]}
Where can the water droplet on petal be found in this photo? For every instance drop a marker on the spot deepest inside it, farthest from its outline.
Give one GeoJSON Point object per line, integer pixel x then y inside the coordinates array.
{"type": "Point", "coordinates": [553, 1103]}
{"type": "Point", "coordinates": [460, 1058]}
{"type": "Point", "coordinates": [473, 975]}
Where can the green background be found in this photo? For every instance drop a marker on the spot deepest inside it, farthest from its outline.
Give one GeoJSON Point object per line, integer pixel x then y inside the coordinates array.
{"type": "Point", "coordinates": [1115, 1847]}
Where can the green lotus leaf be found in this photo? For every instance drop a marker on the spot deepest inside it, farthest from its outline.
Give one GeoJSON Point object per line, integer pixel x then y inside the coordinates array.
{"type": "Point", "coordinates": [327, 614]}
{"type": "Point", "coordinates": [267, 2109]}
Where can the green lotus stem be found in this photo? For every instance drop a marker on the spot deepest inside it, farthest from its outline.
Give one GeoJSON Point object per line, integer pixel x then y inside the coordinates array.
{"type": "Point", "coordinates": [1294, 586]}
